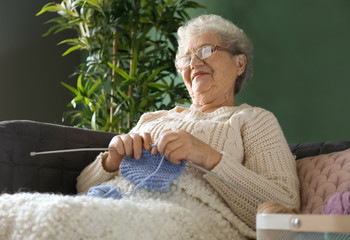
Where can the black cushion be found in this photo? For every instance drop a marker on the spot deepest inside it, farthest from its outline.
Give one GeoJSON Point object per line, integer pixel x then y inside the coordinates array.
{"type": "Point", "coordinates": [44, 173]}
{"type": "Point", "coordinates": [308, 149]}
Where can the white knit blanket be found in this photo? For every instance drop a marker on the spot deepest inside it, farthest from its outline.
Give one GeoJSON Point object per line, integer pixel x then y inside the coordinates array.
{"type": "Point", "coordinates": [190, 209]}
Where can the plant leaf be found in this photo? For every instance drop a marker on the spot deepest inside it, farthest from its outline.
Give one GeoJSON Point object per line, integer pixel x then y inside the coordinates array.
{"type": "Point", "coordinates": [79, 84]}
{"type": "Point", "coordinates": [72, 89]}
{"type": "Point", "coordinates": [123, 95]}
{"type": "Point", "coordinates": [50, 7]}
{"type": "Point", "coordinates": [92, 89]}
{"type": "Point", "coordinates": [120, 71]}
{"type": "Point", "coordinates": [93, 3]}
{"type": "Point", "coordinates": [156, 72]}
{"type": "Point", "coordinates": [93, 121]}
{"type": "Point", "coordinates": [156, 85]}
{"type": "Point", "coordinates": [71, 50]}
{"type": "Point", "coordinates": [72, 41]}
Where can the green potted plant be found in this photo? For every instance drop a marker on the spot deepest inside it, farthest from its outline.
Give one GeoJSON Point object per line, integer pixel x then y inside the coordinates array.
{"type": "Point", "coordinates": [129, 48]}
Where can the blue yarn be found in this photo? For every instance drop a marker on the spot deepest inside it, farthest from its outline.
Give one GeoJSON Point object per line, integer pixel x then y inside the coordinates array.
{"type": "Point", "coordinates": [151, 172]}
{"type": "Point", "coordinates": [105, 191]}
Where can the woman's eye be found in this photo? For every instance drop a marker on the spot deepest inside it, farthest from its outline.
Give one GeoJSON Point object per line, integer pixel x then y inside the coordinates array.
{"type": "Point", "coordinates": [205, 52]}
{"type": "Point", "coordinates": [187, 60]}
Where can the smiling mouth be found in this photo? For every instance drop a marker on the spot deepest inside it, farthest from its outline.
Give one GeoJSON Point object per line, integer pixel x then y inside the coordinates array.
{"type": "Point", "coordinates": [198, 74]}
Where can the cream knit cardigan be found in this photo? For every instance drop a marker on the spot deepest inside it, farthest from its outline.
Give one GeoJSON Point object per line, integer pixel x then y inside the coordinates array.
{"type": "Point", "coordinates": [255, 155]}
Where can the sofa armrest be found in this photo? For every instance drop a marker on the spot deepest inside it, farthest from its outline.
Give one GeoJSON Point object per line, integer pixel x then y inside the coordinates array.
{"type": "Point", "coordinates": [44, 173]}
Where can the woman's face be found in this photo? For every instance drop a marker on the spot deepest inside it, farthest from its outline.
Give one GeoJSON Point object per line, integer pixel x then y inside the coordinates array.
{"type": "Point", "coordinates": [212, 79]}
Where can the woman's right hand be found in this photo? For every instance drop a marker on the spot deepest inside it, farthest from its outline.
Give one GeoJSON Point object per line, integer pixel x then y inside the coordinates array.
{"type": "Point", "coordinates": [130, 145]}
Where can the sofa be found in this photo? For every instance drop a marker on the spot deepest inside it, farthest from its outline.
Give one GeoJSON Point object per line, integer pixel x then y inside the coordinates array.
{"type": "Point", "coordinates": [46, 206]}
{"type": "Point", "coordinates": [57, 173]}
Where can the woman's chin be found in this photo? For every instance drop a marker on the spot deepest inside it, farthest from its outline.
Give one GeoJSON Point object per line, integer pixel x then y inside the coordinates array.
{"type": "Point", "coordinates": [201, 87]}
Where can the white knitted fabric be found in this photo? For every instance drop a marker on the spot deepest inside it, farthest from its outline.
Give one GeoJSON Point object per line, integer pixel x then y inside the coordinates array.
{"type": "Point", "coordinates": [185, 211]}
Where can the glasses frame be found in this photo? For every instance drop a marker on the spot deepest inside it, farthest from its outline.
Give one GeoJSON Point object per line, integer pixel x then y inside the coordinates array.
{"type": "Point", "coordinates": [214, 49]}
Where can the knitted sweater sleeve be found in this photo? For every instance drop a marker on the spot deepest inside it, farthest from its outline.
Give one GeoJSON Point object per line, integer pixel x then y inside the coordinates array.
{"type": "Point", "coordinates": [268, 169]}
{"type": "Point", "coordinates": [93, 174]}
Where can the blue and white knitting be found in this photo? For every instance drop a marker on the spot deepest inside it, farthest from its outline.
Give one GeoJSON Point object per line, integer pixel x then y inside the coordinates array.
{"type": "Point", "coordinates": [151, 172]}
{"type": "Point", "coordinates": [160, 179]}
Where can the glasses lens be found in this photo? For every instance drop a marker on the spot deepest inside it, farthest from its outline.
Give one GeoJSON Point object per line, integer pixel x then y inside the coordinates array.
{"type": "Point", "coordinates": [183, 62]}
{"type": "Point", "coordinates": [204, 52]}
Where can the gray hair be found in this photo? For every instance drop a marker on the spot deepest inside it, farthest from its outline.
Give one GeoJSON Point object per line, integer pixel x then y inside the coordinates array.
{"type": "Point", "coordinates": [231, 36]}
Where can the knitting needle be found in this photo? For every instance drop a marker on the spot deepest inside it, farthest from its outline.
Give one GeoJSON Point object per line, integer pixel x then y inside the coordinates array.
{"type": "Point", "coordinates": [72, 150]}
{"type": "Point", "coordinates": [154, 145]}
{"type": "Point", "coordinates": [77, 150]}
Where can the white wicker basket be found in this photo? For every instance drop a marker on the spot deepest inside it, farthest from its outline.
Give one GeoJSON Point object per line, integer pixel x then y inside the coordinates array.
{"type": "Point", "coordinates": [302, 226]}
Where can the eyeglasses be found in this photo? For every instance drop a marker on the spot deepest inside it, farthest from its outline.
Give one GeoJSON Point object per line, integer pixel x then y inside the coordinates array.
{"type": "Point", "coordinates": [202, 53]}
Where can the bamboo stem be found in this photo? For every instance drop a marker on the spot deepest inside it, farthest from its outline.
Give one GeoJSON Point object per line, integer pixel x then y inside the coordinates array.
{"type": "Point", "coordinates": [130, 90]}
{"type": "Point", "coordinates": [114, 79]}
{"type": "Point", "coordinates": [121, 122]}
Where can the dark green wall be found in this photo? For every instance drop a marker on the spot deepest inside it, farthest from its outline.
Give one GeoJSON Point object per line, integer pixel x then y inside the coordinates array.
{"type": "Point", "coordinates": [31, 66]}
{"type": "Point", "coordinates": [302, 62]}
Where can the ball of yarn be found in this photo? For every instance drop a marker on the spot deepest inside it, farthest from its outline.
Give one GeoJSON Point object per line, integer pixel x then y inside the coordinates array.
{"type": "Point", "coordinates": [339, 203]}
{"type": "Point", "coordinates": [105, 191]}
{"type": "Point", "coordinates": [151, 172]}
{"type": "Point", "coordinates": [275, 207]}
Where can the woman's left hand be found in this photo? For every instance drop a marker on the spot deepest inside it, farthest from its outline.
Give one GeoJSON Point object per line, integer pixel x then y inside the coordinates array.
{"type": "Point", "coordinates": [180, 145]}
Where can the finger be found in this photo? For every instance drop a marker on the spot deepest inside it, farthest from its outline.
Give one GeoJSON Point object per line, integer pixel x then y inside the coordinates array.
{"type": "Point", "coordinates": [112, 163]}
{"type": "Point", "coordinates": [128, 144]}
{"type": "Point", "coordinates": [171, 147]}
{"type": "Point", "coordinates": [137, 145]}
{"type": "Point", "coordinates": [165, 139]}
{"type": "Point", "coordinates": [176, 156]}
{"type": "Point", "coordinates": [113, 141]}
{"type": "Point", "coordinates": [147, 141]}
{"type": "Point", "coordinates": [117, 144]}
{"type": "Point", "coordinates": [154, 149]}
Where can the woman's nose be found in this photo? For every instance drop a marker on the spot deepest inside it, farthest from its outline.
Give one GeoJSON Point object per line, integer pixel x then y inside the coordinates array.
{"type": "Point", "coordinates": [195, 62]}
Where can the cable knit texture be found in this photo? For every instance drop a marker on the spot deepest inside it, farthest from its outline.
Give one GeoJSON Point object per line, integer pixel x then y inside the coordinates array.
{"type": "Point", "coordinates": [255, 155]}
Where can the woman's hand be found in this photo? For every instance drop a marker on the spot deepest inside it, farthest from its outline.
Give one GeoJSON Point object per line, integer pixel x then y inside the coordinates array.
{"type": "Point", "coordinates": [130, 145]}
{"type": "Point", "coordinates": [180, 145]}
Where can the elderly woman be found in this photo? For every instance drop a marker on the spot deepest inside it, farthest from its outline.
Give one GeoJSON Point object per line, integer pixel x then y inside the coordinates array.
{"type": "Point", "coordinates": [243, 145]}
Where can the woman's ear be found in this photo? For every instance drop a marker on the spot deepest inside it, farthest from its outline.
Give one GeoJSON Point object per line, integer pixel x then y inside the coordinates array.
{"type": "Point", "coordinates": [241, 63]}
